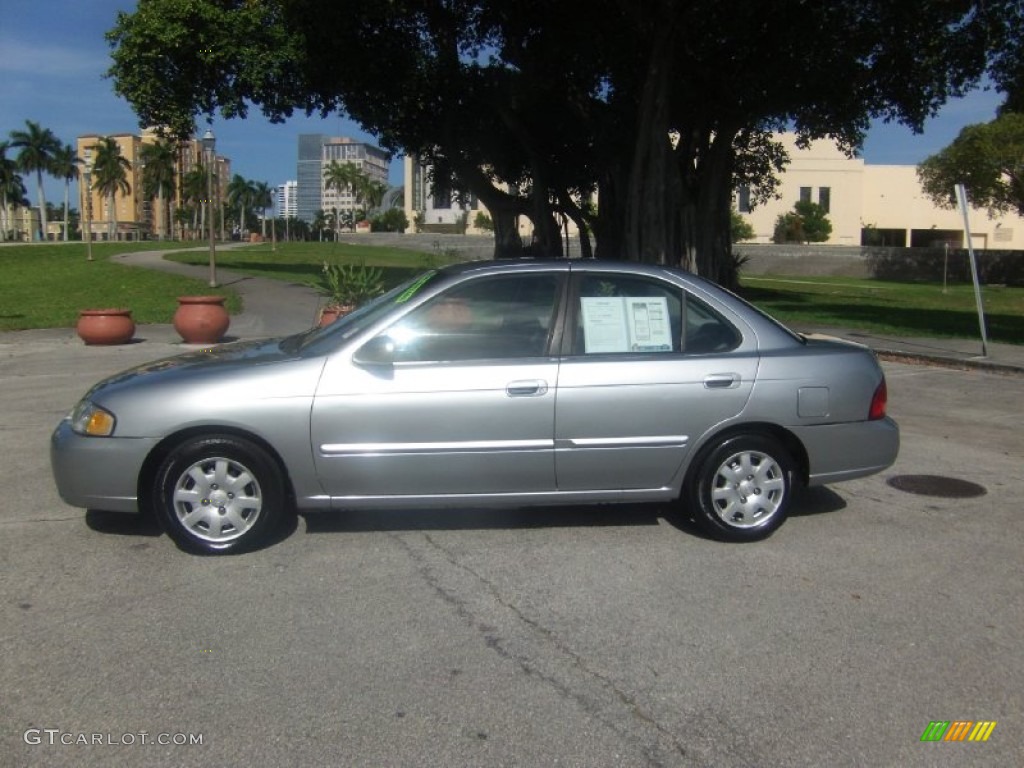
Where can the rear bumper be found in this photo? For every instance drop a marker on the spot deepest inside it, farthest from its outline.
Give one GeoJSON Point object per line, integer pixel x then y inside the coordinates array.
{"type": "Point", "coordinates": [846, 451]}
{"type": "Point", "coordinates": [98, 472]}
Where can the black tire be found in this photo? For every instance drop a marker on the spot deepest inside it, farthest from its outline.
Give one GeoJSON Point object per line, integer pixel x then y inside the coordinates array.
{"type": "Point", "coordinates": [219, 494]}
{"type": "Point", "coordinates": [742, 488]}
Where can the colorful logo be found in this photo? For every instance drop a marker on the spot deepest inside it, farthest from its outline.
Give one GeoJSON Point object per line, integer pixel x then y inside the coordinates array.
{"type": "Point", "coordinates": [958, 730]}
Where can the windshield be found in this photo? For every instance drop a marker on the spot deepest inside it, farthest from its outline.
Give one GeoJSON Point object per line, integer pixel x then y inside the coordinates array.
{"type": "Point", "coordinates": [323, 340]}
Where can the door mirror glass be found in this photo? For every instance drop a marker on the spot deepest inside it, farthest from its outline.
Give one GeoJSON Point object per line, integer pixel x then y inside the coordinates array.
{"type": "Point", "coordinates": [380, 350]}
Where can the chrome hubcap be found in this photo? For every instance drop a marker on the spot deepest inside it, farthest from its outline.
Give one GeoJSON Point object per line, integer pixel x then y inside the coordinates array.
{"type": "Point", "coordinates": [748, 490]}
{"type": "Point", "coordinates": [217, 499]}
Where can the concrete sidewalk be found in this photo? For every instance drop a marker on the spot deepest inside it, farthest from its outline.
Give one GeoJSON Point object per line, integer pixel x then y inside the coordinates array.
{"type": "Point", "coordinates": [278, 308]}
{"type": "Point", "coordinates": [960, 353]}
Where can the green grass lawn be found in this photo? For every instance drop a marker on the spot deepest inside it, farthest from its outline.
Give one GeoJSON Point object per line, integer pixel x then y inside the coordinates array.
{"type": "Point", "coordinates": [44, 286]}
{"type": "Point", "coordinates": [899, 309]}
{"type": "Point", "coordinates": [302, 262]}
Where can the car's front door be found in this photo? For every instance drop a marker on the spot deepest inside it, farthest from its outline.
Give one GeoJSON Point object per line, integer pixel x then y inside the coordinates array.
{"type": "Point", "coordinates": [648, 370]}
{"type": "Point", "coordinates": [466, 406]}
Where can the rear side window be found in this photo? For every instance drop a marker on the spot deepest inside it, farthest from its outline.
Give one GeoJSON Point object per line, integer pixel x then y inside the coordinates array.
{"type": "Point", "coordinates": [707, 332]}
{"type": "Point", "coordinates": [622, 314]}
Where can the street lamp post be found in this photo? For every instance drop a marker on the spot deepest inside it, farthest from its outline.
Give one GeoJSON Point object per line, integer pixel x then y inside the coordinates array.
{"type": "Point", "coordinates": [87, 175]}
{"type": "Point", "coordinates": [209, 145]}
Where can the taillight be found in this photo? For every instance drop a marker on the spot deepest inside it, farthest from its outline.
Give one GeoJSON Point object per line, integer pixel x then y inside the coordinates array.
{"type": "Point", "coordinates": [878, 402]}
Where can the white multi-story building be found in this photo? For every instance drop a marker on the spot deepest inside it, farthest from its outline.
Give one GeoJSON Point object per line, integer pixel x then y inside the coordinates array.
{"type": "Point", "coordinates": [316, 153]}
{"type": "Point", "coordinates": [286, 203]}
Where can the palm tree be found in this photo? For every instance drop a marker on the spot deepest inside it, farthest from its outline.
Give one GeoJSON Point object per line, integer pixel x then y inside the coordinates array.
{"type": "Point", "coordinates": [194, 188]}
{"type": "Point", "coordinates": [344, 177]}
{"type": "Point", "coordinates": [263, 198]}
{"type": "Point", "coordinates": [38, 146]}
{"type": "Point", "coordinates": [110, 176]}
{"type": "Point", "coordinates": [372, 193]}
{"type": "Point", "coordinates": [320, 223]}
{"type": "Point", "coordinates": [159, 165]}
{"type": "Point", "coordinates": [65, 166]}
{"type": "Point", "coordinates": [241, 193]}
{"type": "Point", "coordinates": [12, 188]}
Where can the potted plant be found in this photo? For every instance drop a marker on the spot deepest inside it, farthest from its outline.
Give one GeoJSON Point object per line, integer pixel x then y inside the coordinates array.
{"type": "Point", "coordinates": [347, 287]}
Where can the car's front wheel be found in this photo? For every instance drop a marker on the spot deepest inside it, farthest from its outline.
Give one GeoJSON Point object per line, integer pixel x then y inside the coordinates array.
{"type": "Point", "coordinates": [742, 488]}
{"type": "Point", "coordinates": [219, 494]}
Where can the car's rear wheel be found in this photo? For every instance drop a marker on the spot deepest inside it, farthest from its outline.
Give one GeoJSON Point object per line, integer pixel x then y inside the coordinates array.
{"type": "Point", "coordinates": [742, 488]}
{"type": "Point", "coordinates": [219, 494]}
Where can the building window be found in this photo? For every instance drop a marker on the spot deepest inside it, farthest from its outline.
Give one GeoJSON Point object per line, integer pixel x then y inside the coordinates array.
{"type": "Point", "coordinates": [825, 198]}
{"type": "Point", "coordinates": [442, 197]}
{"type": "Point", "coordinates": [744, 199]}
{"type": "Point", "coordinates": [805, 194]}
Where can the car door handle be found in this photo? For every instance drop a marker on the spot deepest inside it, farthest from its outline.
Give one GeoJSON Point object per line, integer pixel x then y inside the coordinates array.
{"type": "Point", "coordinates": [527, 388]}
{"type": "Point", "coordinates": [721, 381]}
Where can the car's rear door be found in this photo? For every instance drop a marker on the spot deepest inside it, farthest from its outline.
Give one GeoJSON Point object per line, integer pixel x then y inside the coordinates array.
{"type": "Point", "coordinates": [646, 371]}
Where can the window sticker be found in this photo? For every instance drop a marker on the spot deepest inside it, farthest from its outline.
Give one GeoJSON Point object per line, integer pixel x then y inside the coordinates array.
{"type": "Point", "coordinates": [626, 324]}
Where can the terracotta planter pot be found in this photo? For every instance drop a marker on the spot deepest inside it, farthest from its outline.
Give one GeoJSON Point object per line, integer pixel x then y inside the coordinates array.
{"type": "Point", "coordinates": [201, 319]}
{"type": "Point", "coordinates": [329, 314]}
{"type": "Point", "coordinates": [105, 326]}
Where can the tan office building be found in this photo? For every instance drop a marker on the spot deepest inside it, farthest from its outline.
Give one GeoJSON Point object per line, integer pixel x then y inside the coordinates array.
{"type": "Point", "coordinates": [883, 203]}
{"type": "Point", "coordinates": [137, 216]}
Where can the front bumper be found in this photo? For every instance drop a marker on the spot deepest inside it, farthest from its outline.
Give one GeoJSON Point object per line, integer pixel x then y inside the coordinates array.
{"type": "Point", "coordinates": [98, 472]}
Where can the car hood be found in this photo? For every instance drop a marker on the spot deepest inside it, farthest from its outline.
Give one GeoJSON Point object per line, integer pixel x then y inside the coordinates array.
{"type": "Point", "coordinates": [212, 362]}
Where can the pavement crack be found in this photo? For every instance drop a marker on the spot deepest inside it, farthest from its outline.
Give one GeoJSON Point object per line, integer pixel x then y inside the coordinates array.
{"type": "Point", "coordinates": [564, 687]}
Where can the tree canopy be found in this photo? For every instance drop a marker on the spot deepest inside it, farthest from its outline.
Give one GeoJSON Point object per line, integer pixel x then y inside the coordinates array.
{"type": "Point", "coordinates": [661, 108]}
{"type": "Point", "coordinates": [988, 159]}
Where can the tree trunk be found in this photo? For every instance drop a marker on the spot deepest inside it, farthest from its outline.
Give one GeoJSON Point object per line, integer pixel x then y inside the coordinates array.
{"type": "Point", "coordinates": [67, 195]}
{"type": "Point", "coordinates": [652, 227]}
{"type": "Point", "coordinates": [111, 218]}
{"type": "Point", "coordinates": [547, 235]}
{"type": "Point", "coordinates": [42, 206]}
{"type": "Point", "coordinates": [708, 191]}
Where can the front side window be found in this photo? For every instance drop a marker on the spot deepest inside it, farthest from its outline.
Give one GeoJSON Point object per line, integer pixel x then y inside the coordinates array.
{"type": "Point", "coordinates": [487, 318]}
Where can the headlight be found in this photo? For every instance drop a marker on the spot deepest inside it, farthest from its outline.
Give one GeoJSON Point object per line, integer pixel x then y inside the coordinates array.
{"type": "Point", "coordinates": [89, 419]}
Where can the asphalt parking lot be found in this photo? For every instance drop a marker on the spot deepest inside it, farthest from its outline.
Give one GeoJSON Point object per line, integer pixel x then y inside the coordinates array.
{"type": "Point", "coordinates": [592, 637]}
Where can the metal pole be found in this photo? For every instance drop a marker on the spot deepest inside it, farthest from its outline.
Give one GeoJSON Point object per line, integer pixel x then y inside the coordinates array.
{"type": "Point", "coordinates": [209, 149]}
{"type": "Point", "coordinates": [87, 174]}
{"type": "Point", "coordinates": [209, 214]}
{"type": "Point", "coordinates": [961, 196]}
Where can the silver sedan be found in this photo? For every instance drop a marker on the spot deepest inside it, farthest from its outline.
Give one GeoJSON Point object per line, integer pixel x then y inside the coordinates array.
{"type": "Point", "coordinates": [493, 383]}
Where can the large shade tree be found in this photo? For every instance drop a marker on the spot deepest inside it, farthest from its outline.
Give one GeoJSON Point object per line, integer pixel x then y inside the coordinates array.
{"type": "Point", "coordinates": [660, 108]}
{"type": "Point", "coordinates": [36, 147]}
{"type": "Point", "coordinates": [988, 159]}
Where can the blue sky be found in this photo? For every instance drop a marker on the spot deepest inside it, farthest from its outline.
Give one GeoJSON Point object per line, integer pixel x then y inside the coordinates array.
{"type": "Point", "coordinates": [53, 56]}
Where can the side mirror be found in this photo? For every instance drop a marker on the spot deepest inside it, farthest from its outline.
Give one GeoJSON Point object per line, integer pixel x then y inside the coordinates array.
{"type": "Point", "coordinates": [380, 350]}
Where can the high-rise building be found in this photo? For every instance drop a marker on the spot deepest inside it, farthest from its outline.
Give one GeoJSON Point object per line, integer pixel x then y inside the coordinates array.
{"type": "Point", "coordinates": [316, 153]}
{"type": "Point", "coordinates": [286, 202]}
